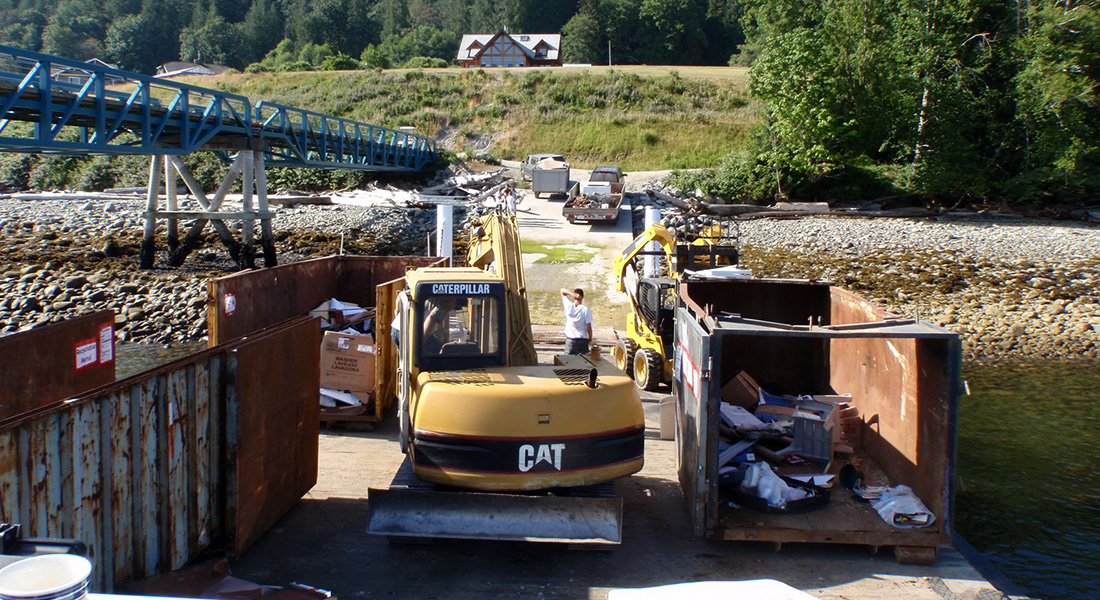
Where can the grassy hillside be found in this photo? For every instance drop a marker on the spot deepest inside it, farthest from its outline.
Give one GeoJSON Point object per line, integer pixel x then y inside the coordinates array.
{"type": "Point", "coordinates": [642, 118]}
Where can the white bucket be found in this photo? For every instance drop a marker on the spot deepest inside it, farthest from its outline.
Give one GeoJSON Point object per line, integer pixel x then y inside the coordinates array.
{"type": "Point", "coordinates": [668, 418]}
{"type": "Point", "coordinates": [46, 577]}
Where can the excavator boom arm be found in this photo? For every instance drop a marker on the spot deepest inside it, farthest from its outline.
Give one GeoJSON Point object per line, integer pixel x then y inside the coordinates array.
{"type": "Point", "coordinates": [494, 245]}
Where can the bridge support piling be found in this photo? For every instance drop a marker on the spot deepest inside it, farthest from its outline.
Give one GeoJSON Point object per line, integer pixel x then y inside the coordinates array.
{"type": "Point", "coordinates": [249, 167]}
{"type": "Point", "coordinates": [267, 236]}
{"type": "Point", "coordinates": [170, 178]}
{"type": "Point", "coordinates": [152, 200]}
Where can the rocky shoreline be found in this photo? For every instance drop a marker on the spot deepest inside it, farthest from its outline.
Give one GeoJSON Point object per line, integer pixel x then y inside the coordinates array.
{"type": "Point", "coordinates": [1012, 288]}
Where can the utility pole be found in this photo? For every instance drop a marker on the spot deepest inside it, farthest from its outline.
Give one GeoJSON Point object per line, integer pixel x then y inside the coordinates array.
{"type": "Point", "coordinates": [609, 53]}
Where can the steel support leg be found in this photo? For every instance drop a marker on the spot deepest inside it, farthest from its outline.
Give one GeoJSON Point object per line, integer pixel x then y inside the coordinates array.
{"type": "Point", "coordinates": [148, 241]}
{"type": "Point", "coordinates": [173, 205]}
{"type": "Point", "coordinates": [248, 226]}
{"type": "Point", "coordinates": [267, 237]}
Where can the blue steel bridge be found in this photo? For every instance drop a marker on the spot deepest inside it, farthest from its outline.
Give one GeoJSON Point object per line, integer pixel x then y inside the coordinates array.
{"type": "Point", "coordinates": [50, 104]}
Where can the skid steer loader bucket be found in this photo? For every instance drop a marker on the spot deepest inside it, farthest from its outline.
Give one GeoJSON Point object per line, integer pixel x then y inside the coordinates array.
{"type": "Point", "coordinates": [491, 516]}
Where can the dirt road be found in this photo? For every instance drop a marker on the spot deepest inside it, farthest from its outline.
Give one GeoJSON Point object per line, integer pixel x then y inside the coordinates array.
{"type": "Point", "coordinates": [322, 542]}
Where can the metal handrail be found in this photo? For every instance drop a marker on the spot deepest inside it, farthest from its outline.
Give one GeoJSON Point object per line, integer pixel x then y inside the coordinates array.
{"type": "Point", "coordinates": [118, 112]}
{"type": "Point", "coordinates": [137, 114]}
{"type": "Point", "coordinates": [299, 137]}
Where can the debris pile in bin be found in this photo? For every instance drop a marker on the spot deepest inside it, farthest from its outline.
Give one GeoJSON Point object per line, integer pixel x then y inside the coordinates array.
{"type": "Point", "coordinates": [347, 358]}
{"type": "Point", "coordinates": [781, 453]}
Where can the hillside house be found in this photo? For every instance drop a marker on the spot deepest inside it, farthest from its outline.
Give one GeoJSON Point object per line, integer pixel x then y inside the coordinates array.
{"type": "Point", "coordinates": [78, 76]}
{"type": "Point", "coordinates": [182, 67]}
{"type": "Point", "coordinates": [503, 49]}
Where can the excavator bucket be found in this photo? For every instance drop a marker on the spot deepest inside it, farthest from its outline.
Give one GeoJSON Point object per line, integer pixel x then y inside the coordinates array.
{"type": "Point", "coordinates": [492, 516]}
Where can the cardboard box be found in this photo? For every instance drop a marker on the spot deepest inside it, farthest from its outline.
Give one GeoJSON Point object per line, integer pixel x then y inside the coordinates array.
{"type": "Point", "coordinates": [741, 390]}
{"type": "Point", "coordinates": [347, 362]}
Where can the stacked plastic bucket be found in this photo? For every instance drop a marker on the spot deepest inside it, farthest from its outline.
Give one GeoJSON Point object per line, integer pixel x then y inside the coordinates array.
{"type": "Point", "coordinates": [46, 577]}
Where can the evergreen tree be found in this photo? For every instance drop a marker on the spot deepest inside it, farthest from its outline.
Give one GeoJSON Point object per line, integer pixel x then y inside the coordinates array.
{"type": "Point", "coordinates": [583, 41]}
{"type": "Point", "coordinates": [217, 42]}
{"type": "Point", "coordinates": [455, 16]}
{"type": "Point", "coordinates": [261, 30]}
{"type": "Point", "coordinates": [130, 45]}
{"type": "Point", "coordinates": [393, 15]}
{"type": "Point", "coordinates": [676, 33]}
{"type": "Point", "coordinates": [624, 29]}
{"type": "Point", "coordinates": [1057, 93]}
{"type": "Point", "coordinates": [23, 28]}
{"type": "Point", "coordinates": [75, 30]}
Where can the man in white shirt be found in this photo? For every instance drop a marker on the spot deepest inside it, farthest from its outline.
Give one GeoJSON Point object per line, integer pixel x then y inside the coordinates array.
{"type": "Point", "coordinates": [578, 321]}
{"type": "Point", "coordinates": [510, 200]}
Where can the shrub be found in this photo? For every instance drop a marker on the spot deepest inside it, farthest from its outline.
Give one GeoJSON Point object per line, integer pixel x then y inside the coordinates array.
{"type": "Point", "coordinates": [374, 57]}
{"type": "Point", "coordinates": [15, 168]}
{"type": "Point", "coordinates": [339, 62]}
{"type": "Point", "coordinates": [294, 65]}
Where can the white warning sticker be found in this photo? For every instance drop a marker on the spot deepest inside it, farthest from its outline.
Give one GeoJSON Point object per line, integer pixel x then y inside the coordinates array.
{"type": "Point", "coordinates": [86, 354]}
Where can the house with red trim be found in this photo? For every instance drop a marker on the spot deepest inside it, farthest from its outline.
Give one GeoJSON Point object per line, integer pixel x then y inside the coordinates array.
{"type": "Point", "coordinates": [503, 49]}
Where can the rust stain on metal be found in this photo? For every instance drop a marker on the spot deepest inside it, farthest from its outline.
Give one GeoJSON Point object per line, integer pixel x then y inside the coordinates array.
{"type": "Point", "coordinates": [9, 476]}
{"type": "Point", "coordinates": [120, 472]}
{"type": "Point", "coordinates": [135, 468]}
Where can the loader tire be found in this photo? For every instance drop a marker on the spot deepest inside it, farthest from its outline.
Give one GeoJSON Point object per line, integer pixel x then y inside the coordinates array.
{"type": "Point", "coordinates": [648, 369]}
{"type": "Point", "coordinates": [624, 355]}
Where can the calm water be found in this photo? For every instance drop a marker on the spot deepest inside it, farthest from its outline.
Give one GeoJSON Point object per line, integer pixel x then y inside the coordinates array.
{"type": "Point", "coordinates": [1028, 467]}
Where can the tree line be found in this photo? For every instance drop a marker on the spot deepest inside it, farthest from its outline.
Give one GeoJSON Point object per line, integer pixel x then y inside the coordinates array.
{"type": "Point", "coordinates": [945, 100]}
{"type": "Point", "coordinates": [300, 34]}
{"type": "Point", "coordinates": [942, 101]}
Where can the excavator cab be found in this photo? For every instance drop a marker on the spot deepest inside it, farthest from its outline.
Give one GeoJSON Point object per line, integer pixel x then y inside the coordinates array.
{"type": "Point", "coordinates": [497, 444]}
{"type": "Point", "coordinates": [459, 325]}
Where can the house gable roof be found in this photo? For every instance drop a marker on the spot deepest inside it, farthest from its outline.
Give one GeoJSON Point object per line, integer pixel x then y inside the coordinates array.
{"type": "Point", "coordinates": [179, 67]}
{"type": "Point", "coordinates": [472, 44]}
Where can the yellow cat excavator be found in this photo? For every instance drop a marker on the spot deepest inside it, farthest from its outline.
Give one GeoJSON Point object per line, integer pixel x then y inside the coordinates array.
{"type": "Point", "coordinates": [497, 445]}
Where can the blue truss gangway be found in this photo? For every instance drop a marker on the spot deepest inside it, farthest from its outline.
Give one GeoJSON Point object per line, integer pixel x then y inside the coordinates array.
{"type": "Point", "coordinates": [106, 111]}
{"type": "Point", "coordinates": [297, 137]}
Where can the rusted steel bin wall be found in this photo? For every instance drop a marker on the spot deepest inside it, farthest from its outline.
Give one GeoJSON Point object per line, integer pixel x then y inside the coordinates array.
{"type": "Point", "coordinates": [902, 375]}
{"type": "Point", "coordinates": [272, 449]}
{"type": "Point", "coordinates": [58, 361]}
{"type": "Point", "coordinates": [782, 301]}
{"type": "Point", "coordinates": [112, 469]}
{"type": "Point", "coordinates": [141, 470]}
{"type": "Point", "coordinates": [239, 304]}
{"type": "Point", "coordinates": [907, 389]}
{"type": "Point", "coordinates": [245, 302]}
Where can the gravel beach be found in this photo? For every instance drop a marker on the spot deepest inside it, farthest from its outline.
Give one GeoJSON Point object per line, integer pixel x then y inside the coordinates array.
{"type": "Point", "coordinates": [1012, 288]}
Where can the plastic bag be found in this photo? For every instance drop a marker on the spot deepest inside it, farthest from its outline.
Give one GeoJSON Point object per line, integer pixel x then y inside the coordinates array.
{"type": "Point", "coordinates": [900, 507]}
{"type": "Point", "coordinates": [762, 482]}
